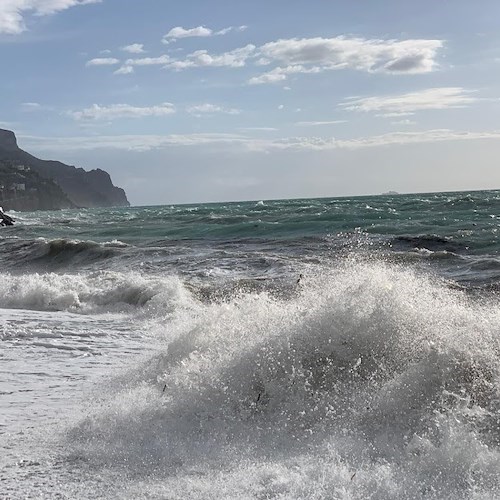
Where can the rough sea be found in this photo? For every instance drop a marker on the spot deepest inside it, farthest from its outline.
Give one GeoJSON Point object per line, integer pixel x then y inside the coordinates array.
{"type": "Point", "coordinates": [342, 348]}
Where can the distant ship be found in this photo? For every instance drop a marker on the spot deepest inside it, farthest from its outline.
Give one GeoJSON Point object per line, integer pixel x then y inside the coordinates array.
{"type": "Point", "coordinates": [390, 193]}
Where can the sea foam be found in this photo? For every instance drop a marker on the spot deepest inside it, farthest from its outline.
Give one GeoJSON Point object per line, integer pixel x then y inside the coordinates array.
{"type": "Point", "coordinates": [370, 381]}
{"type": "Point", "coordinates": [103, 291]}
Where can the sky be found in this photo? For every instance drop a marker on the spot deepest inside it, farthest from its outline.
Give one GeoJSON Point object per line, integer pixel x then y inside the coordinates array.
{"type": "Point", "coordinates": [222, 100]}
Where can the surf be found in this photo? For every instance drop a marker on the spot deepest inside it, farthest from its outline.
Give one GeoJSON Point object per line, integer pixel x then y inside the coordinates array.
{"type": "Point", "coordinates": [374, 377]}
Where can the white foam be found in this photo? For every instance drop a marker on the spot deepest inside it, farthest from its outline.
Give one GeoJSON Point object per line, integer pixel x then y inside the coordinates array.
{"type": "Point", "coordinates": [371, 380]}
{"type": "Point", "coordinates": [90, 293]}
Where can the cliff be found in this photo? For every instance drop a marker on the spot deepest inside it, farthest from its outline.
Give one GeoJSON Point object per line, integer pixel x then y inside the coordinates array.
{"type": "Point", "coordinates": [29, 183]}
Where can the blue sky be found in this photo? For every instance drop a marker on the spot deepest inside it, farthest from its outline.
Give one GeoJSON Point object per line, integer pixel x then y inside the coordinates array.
{"type": "Point", "coordinates": [200, 101]}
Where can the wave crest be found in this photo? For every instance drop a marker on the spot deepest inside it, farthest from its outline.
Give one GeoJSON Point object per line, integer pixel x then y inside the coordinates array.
{"type": "Point", "coordinates": [104, 291]}
{"type": "Point", "coordinates": [374, 363]}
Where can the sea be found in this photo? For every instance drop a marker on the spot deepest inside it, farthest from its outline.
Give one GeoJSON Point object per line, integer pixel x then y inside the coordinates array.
{"type": "Point", "coordinates": [341, 348]}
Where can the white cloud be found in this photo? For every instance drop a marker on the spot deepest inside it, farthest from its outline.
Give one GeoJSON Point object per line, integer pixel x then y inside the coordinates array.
{"type": "Point", "coordinates": [149, 61]}
{"type": "Point", "coordinates": [281, 106]}
{"type": "Point", "coordinates": [274, 76]}
{"type": "Point", "coordinates": [385, 140]}
{"type": "Point", "coordinates": [408, 104]}
{"type": "Point", "coordinates": [317, 123]}
{"type": "Point", "coordinates": [103, 61]}
{"type": "Point", "coordinates": [224, 31]}
{"type": "Point", "coordinates": [129, 64]}
{"type": "Point", "coordinates": [180, 32]}
{"type": "Point", "coordinates": [130, 142]}
{"type": "Point", "coordinates": [31, 106]}
{"type": "Point", "coordinates": [402, 138]}
{"type": "Point", "coordinates": [260, 129]}
{"type": "Point", "coordinates": [116, 111]}
{"type": "Point", "coordinates": [308, 55]}
{"type": "Point", "coordinates": [404, 122]}
{"type": "Point", "coordinates": [280, 74]}
{"type": "Point", "coordinates": [210, 109]}
{"type": "Point", "coordinates": [199, 31]}
{"type": "Point", "coordinates": [13, 12]}
{"type": "Point", "coordinates": [124, 70]}
{"type": "Point", "coordinates": [262, 62]}
{"type": "Point", "coordinates": [305, 56]}
{"type": "Point", "coordinates": [134, 48]}
{"type": "Point", "coordinates": [201, 58]}
{"type": "Point", "coordinates": [394, 115]}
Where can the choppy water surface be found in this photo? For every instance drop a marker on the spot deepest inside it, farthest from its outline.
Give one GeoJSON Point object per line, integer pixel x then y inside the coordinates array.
{"type": "Point", "coordinates": [323, 348]}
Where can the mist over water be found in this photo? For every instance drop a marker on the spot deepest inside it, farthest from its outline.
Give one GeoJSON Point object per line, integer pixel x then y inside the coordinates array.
{"type": "Point", "coordinates": [289, 349]}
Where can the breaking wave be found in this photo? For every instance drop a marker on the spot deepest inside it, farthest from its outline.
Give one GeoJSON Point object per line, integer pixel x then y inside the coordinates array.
{"type": "Point", "coordinates": [103, 291]}
{"type": "Point", "coordinates": [369, 381]}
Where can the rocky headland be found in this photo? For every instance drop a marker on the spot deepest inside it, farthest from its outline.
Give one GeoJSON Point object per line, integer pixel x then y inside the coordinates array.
{"type": "Point", "coordinates": [28, 183]}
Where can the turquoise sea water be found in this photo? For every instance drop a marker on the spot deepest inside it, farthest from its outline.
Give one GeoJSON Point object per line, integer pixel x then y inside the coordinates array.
{"type": "Point", "coordinates": [473, 214]}
{"type": "Point", "coordinates": [314, 348]}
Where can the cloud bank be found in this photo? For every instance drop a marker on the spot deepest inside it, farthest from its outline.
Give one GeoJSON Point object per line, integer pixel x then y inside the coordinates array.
{"type": "Point", "coordinates": [117, 111]}
{"type": "Point", "coordinates": [408, 104]}
{"type": "Point", "coordinates": [246, 143]}
{"type": "Point", "coordinates": [301, 55]}
{"type": "Point", "coordinates": [314, 55]}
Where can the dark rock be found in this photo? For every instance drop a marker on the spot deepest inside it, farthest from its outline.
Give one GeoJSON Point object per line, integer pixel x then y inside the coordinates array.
{"type": "Point", "coordinates": [8, 140]}
{"type": "Point", "coordinates": [52, 184]}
